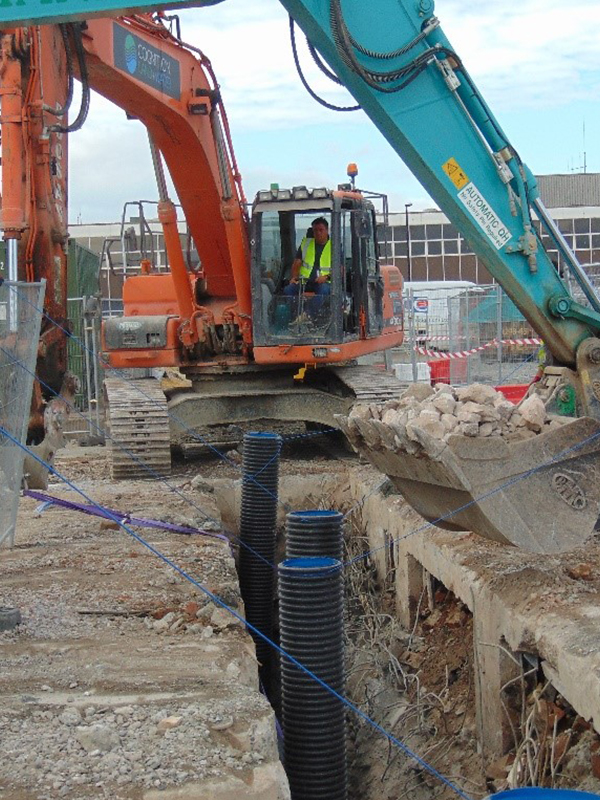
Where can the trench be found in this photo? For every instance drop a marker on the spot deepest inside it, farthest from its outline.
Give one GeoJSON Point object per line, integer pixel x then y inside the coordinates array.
{"type": "Point", "coordinates": [416, 662]}
{"type": "Point", "coordinates": [481, 658]}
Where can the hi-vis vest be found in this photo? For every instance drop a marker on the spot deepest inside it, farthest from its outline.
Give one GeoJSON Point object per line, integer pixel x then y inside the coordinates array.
{"type": "Point", "coordinates": [308, 258]}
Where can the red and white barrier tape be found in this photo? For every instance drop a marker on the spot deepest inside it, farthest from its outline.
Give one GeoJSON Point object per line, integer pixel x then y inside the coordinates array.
{"type": "Point", "coordinates": [424, 351]}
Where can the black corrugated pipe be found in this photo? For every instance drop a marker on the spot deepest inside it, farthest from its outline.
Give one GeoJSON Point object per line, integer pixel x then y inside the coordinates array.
{"type": "Point", "coordinates": [314, 533]}
{"type": "Point", "coordinates": [311, 613]}
{"type": "Point", "coordinates": [258, 519]}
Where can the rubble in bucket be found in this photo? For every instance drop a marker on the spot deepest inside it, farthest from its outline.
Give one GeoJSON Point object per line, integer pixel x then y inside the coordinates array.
{"type": "Point", "coordinates": [468, 460]}
{"type": "Point", "coordinates": [422, 414]}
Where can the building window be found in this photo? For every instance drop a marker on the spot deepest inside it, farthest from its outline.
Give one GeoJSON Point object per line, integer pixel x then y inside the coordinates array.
{"type": "Point", "coordinates": [434, 232]}
{"type": "Point", "coordinates": [582, 242]}
{"type": "Point", "coordinates": [565, 225]}
{"type": "Point", "coordinates": [450, 232]}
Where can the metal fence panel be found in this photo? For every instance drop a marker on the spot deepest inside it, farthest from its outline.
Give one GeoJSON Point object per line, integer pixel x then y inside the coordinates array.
{"type": "Point", "coordinates": [20, 320]}
{"type": "Point", "coordinates": [465, 335]}
{"type": "Point", "coordinates": [85, 316]}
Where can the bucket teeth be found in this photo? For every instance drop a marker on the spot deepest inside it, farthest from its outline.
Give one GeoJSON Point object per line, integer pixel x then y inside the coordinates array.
{"type": "Point", "coordinates": [541, 494]}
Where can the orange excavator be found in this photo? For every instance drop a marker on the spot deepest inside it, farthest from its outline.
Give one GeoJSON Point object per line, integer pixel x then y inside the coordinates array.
{"type": "Point", "coordinates": [34, 186]}
{"type": "Point", "coordinates": [249, 349]}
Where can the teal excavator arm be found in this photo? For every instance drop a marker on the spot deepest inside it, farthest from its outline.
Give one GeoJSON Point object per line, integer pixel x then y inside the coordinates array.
{"type": "Point", "coordinates": [396, 61]}
{"type": "Point", "coordinates": [394, 58]}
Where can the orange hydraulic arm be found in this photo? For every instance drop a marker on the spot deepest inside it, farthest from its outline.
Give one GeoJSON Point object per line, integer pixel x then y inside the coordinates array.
{"type": "Point", "coordinates": [34, 190]}
{"type": "Point", "coordinates": [141, 67]}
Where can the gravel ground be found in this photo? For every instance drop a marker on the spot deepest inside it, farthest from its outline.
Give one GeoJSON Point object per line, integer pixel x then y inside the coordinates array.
{"type": "Point", "coordinates": [124, 679]}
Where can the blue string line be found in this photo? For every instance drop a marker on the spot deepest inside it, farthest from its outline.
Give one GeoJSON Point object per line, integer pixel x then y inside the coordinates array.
{"type": "Point", "coordinates": [150, 470]}
{"type": "Point", "coordinates": [517, 368]}
{"type": "Point", "coordinates": [217, 600]}
{"type": "Point", "coordinates": [427, 526]}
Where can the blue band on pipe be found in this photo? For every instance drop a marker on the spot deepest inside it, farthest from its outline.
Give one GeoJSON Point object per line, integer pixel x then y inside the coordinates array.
{"type": "Point", "coordinates": [314, 513]}
{"type": "Point", "coordinates": [311, 564]}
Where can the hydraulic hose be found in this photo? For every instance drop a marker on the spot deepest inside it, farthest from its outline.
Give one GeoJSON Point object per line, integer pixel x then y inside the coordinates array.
{"type": "Point", "coordinates": [79, 121]}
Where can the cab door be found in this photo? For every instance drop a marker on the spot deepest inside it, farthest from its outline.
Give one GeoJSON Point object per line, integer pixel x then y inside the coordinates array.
{"type": "Point", "coordinates": [369, 283]}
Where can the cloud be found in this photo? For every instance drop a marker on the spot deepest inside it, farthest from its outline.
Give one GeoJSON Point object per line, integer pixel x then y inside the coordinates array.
{"type": "Point", "coordinates": [531, 53]}
{"type": "Point", "coordinates": [528, 59]}
{"type": "Point", "coordinates": [540, 54]}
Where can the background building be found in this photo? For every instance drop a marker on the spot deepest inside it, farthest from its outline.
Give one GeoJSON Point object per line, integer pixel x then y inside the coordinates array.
{"type": "Point", "coordinates": [431, 250]}
{"type": "Point", "coordinates": [434, 250]}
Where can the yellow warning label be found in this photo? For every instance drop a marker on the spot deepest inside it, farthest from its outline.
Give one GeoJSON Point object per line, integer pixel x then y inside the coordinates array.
{"type": "Point", "coordinates": [455, 173]}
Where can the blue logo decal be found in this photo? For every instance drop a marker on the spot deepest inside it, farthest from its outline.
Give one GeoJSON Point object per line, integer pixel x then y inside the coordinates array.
{"type": "Point", "coordinates": [131, 54]}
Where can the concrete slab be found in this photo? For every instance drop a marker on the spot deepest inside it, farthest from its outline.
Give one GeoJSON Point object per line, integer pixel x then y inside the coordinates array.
{"type": "Point", "coordinates": [521, 602]}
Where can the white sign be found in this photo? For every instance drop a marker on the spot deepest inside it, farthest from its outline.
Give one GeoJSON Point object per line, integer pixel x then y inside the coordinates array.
{"type": "Point", "coordinates": [129, 325]}
{"type": "Point", "coordinates": [485, 216]}
{"type": "Point", "coordinates": [2, 311]}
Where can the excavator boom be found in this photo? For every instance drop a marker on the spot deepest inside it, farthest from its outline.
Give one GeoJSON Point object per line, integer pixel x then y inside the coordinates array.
{"type": "Point", "coordinates": [406, 75]}
{"type": "Point", "coordinates": [34, 187]}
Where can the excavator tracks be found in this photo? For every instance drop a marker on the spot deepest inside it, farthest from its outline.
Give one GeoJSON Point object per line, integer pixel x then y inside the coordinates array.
{"type": "Point", "coordinates": [369, 384]}
{"type": "Point", "coordinates": [138, 421]}
{"type": "Point", "coordinates": [138, 417]}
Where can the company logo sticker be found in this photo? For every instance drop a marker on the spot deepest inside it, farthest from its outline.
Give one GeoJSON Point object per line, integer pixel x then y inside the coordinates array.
{"type": "Point", "coordinates": [145, 63]}
{"type": "Point", "coordinates": [131, 54]}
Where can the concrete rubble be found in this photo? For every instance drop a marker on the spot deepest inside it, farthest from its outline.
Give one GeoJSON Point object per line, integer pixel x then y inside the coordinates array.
{"type": "Point", "coordinates": [424, 417]}
{"type": "Point", "coordinates": [124, 680]}
{"type": "Point", "coordinates": [546, 606]}
{"type": "Point", "coordinates": [467, 459]}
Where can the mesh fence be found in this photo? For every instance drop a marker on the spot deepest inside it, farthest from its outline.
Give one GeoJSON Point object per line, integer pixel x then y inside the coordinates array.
{"type": "Point", "coordinates": [593, 273]}
{"type": "Point", "coordinates": [20, 320]}
{"type": "Point", "coordinates": [85, 315]}
{"type": "Point", "coordinates": [465, 335]}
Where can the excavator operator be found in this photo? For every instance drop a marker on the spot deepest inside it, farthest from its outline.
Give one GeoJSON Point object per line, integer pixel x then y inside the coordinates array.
{"type": "Point", "coordinates": [311, 269]}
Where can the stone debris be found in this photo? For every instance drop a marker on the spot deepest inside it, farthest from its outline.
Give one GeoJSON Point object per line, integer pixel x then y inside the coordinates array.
{"type": "Point", "coordinates": [425, 418]}
{"type": "Point", "coordinates": [167, 723]}
{"type": "Point", "coordinates": [79, 749]}
{"type": "Point", "coordinates": [192, 618]}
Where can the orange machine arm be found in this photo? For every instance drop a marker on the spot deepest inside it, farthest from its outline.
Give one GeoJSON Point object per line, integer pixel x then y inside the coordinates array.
{"type": "Point", "coordinates": [34, 187]}
{"type": "Point", "coordinates": [141, 67]}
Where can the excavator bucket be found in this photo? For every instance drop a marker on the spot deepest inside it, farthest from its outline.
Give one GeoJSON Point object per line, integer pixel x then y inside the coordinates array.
{"type": "Point", "coordinates": [541, 494]}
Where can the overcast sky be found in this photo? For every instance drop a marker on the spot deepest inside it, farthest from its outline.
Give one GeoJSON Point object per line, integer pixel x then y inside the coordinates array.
{"type": "Point", "coordinates": [537, 63]}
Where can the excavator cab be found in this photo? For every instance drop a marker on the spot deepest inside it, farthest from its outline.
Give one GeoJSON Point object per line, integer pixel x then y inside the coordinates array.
{"type": "Point", "coordinates": [347, 307]}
